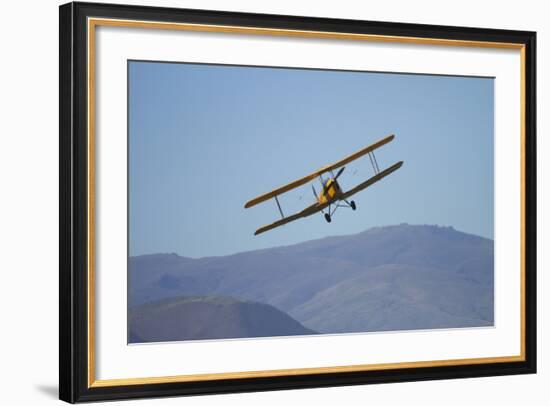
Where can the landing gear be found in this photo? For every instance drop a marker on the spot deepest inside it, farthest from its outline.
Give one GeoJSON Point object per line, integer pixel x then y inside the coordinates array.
{"type": "Point", "coordinates": [328, 216]}
{"type": "Point", "coordinates": [351, 204]}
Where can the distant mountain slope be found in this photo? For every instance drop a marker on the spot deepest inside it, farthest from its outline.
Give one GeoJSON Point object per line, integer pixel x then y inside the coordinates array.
{"type": "Point", "coordinates": [386, 278]}
{"type": "Point", "coordinates": [208, 317]}
{"type": "Point", "coordinates": [398, 297]}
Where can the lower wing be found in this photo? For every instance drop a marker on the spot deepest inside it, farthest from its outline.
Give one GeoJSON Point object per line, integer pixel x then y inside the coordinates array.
{"type": "Point", "coordinates": [372, 180]}
{"type": "Point", "coordinates": [308, 211]}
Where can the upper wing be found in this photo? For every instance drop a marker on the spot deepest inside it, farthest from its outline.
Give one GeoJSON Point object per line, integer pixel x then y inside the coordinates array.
{"type": "Point", "coordinates": [372, 180]}
{"type": "Point", "coordinates": [308, 211]}
{"type": "Point", "coordinates": [357, 154]}
{"type": "Point", "coordinates": [281, 190]}
{"type": "Point", "coordinates": [308, 178]}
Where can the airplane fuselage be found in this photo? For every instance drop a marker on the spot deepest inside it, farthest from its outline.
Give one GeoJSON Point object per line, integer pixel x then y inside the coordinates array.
{"type": "Point", "coordinates": [331, 191]}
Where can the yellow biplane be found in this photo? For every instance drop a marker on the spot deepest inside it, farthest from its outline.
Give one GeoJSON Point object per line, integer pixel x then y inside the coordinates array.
{"type": "Point", "coordinates": [331, 194]}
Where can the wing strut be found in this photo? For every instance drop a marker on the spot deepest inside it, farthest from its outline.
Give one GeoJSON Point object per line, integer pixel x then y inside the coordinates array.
{"type": "Point", "coordinates": [279, 206]}
{"type": "Point", "coordinates": [374, 163]}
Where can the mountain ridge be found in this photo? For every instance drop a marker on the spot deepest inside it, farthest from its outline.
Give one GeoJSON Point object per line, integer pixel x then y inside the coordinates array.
{"type": "Point", "coordinates": [339, 283]}
{"type": "Point", "coordinates": [316, 240]}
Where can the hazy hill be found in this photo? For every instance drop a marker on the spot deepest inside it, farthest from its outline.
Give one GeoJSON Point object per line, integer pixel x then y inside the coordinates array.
{"type": "Point", "coordinates": [208, 317]}
{"type": "Point", "coordinates": [386, 278]}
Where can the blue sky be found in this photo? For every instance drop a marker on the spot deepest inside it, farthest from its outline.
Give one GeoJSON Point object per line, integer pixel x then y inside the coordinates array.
{"type": "Point", "coordinates": [204, 139]}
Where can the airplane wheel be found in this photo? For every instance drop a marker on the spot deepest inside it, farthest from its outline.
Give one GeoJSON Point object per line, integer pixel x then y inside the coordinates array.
{"type": "Point", "coordinates": [352, 204]}
{"type": "Point", "coordinates": [327, 218]}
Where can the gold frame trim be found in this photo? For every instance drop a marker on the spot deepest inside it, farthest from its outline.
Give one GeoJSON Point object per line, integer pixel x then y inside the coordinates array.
{"type": "Point", "coordinates": [94, 22]}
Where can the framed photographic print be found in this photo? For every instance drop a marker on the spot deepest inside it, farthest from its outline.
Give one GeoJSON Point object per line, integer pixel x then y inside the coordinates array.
{"type": "Point", "coordinates": [256, 202]}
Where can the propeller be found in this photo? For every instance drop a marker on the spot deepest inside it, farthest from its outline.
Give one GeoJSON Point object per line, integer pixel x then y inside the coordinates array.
{"type": "Point", "coordinates": [339, 172]}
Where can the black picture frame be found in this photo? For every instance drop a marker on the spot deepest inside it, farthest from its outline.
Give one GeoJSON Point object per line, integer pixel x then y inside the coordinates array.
{"type": "Point", "coordinates": [74, 385]}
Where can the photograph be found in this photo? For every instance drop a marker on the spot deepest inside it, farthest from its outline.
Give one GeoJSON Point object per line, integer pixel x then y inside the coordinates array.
{"type": "Point", "coordinates": [275, 202]}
